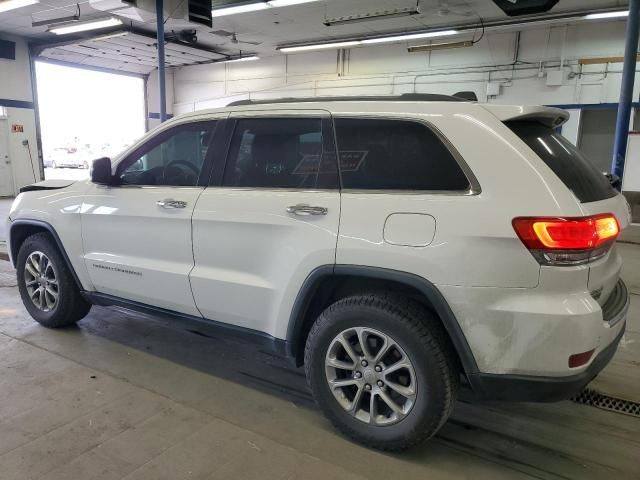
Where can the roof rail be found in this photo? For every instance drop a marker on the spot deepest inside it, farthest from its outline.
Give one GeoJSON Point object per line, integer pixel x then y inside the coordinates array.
{"type": "Point", "coordinates": [405, 97]}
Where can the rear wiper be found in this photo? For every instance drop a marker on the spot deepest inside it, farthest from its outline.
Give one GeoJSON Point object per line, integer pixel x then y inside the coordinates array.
{"type": "Point", "coordinates": [614, 180]}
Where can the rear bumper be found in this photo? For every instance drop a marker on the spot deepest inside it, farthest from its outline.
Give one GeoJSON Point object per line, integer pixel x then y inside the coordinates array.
{"type": "Point", "coordinates": [529, 388]}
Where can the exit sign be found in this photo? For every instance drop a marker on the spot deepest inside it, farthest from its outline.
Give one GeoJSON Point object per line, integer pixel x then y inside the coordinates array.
{"type": "Point", "coordinates": [17, 128]}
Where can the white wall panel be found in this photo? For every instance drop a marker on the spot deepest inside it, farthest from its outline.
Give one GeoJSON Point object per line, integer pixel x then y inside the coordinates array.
{"type": "Point", "coordinates": [385, 59]}
{"type": "Point", "coordinates": [391, 70]}
{"type": "Point", "coordinates": [313, 63]}
{"type": "Point", "coordinates": [571, 128]}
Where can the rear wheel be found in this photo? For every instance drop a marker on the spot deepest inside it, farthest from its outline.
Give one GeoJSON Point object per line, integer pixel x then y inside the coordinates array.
{"type": "Point", "coordinates": [47, 287]}
{"type": "Point", "coordinates": [381, 370]}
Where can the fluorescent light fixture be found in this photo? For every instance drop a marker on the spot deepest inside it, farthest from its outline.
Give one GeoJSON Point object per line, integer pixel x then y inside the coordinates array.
{"type": "Point", "coordinates": [242, 59]}
{"type": "Point", "coordinates": [598, 16]}
{"type": "Point", "coordinates": [367, 41]}
{"type": "Point", "coordinates": [248, 7]}
{"type": "Point", "coordinates": [286, 3]}
{"type": "Point", "coordinates": [56, 21]}
{"type": "Point", "coordinates": [320, 46]}
{"type": "Point", "coordinates": [84, 26]}
{"type": "Point", "coordinates": [7, 5]}
{"type": "Point", "coordinates": [367, 17]}
{"type": "Point", "coordinates": [439, 46]}
{"type": "Point", "coordinates": [110, 35]}
{"type": "Point", "coordinates": [411, 36]}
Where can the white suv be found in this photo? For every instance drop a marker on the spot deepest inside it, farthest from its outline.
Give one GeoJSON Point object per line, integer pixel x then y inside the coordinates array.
{"type": "Point", "coordinates": [395, 247]}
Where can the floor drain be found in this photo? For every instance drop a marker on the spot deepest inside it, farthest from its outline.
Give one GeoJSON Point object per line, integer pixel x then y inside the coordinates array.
{"type": "Point", "coordinates": [598, 400]}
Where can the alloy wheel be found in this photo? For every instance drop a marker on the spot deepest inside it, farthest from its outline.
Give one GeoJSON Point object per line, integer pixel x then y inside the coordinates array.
{"type": "Point", "coordinates": [41, 281]}
{"type": "Point", "coordinates": [371, 376]}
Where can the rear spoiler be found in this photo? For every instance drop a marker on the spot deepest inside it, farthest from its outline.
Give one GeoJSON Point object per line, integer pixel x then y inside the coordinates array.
{"type": "Point", "coordinates": [550, 116]}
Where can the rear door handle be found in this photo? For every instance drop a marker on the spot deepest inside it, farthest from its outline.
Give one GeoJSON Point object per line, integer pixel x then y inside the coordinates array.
{"type": "Point", "coordinates": [304, 209]}
{"type": "Point", "coordinates": [171, 203]}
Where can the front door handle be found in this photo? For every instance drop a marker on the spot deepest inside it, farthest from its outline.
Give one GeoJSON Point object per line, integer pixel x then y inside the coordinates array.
{"type": "Point", "coordinates": [171, 203]}
{"type": "Point", "coordinates": [304, 209]}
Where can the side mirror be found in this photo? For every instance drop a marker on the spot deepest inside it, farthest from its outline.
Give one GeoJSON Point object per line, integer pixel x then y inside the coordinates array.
{"type": "Point", "coordinates": [101, 171]}
{"type": "Point", "coordinates": [614, 180]}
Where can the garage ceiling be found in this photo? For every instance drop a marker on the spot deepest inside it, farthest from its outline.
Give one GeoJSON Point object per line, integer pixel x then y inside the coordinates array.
{"type": "Point", "coordinates": [133, 53]}
{"type": "Point", "coordinates": [255, 32]}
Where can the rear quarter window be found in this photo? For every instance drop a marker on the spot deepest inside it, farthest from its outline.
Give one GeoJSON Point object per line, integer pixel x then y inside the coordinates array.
{"type": "Point", "coordinates": [382, 154]}
{"type": "Point", "coordinates": [567, 162]}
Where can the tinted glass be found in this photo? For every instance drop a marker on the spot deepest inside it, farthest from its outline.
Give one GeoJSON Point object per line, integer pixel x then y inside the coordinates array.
{"type": "Point", "coordinates": [566, 161]}
{"type": "Point", "coordinates": [174, 158]}
{"type": "Point", "coordinates": [277, 153]}
{"type": "Point", "coordinates": [395, 155]}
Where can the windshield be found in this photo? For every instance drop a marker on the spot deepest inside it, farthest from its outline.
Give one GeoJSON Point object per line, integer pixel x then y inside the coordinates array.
{"type": "Point", "coordinates": [566, 161]}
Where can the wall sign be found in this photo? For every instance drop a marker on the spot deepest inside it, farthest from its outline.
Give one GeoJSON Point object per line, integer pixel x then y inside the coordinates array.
{"type": "Point", "coordinates": [17, 128]}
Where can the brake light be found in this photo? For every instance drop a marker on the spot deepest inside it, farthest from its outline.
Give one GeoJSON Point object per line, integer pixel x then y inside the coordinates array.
{"type": "Point", "coordinates": [567, 241]}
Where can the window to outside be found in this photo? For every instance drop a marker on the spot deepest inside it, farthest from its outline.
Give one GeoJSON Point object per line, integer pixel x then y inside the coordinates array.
{"type": "Point", "coordinates": [86, 115]}
{"type": "Point", "coordinates": [566, 161]}
{"type": "Point", "coordinates": [395, 155]}
{"type": "Point", "coordinates": [275, 153]}
{"type": "Point", "coordinates": [175, 158]}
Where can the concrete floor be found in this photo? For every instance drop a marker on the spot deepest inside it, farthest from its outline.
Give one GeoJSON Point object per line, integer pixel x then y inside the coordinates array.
{"type": "Point", "coordinates": [124, 395]}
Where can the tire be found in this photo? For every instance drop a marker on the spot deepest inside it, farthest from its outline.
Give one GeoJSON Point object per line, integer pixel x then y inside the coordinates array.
{"type": "Point", "coordinates": [69, 306]}
{"type": "Point", "coordinates": [418, 335]}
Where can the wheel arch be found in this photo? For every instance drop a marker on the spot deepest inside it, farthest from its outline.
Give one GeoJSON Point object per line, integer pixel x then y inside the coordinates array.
{"type": "Point", "coordinates": [328, 283]}
{"type": "Point", "coordinates": [21, 229]}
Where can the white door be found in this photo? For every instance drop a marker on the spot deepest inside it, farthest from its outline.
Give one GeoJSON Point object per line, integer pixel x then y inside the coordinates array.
{"type": "Point", "coordinates": [137, 235]}
{"type": "Point", "coordinates": [6, 177]}
{"type": "Point", "coordinates": [268, 222]}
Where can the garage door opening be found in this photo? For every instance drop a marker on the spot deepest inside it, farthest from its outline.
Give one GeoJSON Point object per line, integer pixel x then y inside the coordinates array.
{"type": "Point", "coordinates": [84, 115]}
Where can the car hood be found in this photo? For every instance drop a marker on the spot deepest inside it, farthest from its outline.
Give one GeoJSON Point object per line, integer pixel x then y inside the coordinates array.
{"type": "Point", "coordinates": [47, 185]}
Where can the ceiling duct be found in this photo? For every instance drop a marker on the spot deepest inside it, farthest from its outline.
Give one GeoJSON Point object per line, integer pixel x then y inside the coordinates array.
{"type": "Point", "coordinates": [180, 14]}
{"type": "Point", "coordinates": [515, 8]}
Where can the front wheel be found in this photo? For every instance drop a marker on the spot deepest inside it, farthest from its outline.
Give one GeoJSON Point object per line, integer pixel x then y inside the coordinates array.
{"type": "Point", "coordinates": [381, 369]}
{"type": "Point", "coordinates": [46, 285]}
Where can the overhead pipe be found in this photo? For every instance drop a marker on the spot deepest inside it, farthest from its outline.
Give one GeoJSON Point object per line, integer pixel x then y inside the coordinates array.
{"type": "Point", "coordinates": [626, 89]}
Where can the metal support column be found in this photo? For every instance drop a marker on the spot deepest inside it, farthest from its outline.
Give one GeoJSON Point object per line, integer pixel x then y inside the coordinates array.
{"type": "Point", "coordinates": [626, 89]}
{"type": "Point", "coordinates": [162, 94]}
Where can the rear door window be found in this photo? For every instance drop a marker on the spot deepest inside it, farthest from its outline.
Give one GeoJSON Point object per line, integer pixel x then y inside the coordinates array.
{"type": "Point", "coordinates": [385, 154]}
{"type": "Point", "coordinates": [566, 161]}
{"type": "Point", "coordinates": [280, 153]}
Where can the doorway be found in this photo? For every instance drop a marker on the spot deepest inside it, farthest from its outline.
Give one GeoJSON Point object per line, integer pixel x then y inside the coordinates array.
{"type": "Point", "coordinates": [84, 115]}
{"type": "Point", "coordinates": [6, 176]}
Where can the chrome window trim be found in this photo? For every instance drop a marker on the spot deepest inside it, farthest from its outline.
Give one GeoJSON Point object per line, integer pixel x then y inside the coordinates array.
{"type": "Point", "coordinates": [274, 189]}
{"type": "Point", "coordinates": [453, 193]}
{"type": "Point", "coordinates": [474, 185]}
{"type": "Point", "coordinates": [155, 187]}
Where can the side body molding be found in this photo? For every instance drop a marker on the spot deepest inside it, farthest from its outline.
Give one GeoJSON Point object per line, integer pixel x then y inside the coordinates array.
{"type": "Point", "coordinates": [422, 285]}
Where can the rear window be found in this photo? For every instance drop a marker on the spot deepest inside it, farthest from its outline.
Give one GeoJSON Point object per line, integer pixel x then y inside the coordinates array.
{"type": "Point", "coordinates": [566, 161]}
{"type": "Point", "coordinates": [395, 155]}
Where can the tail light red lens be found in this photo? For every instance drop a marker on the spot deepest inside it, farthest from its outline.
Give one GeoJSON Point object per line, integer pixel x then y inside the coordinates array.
{"type": "Point", "coordinates": [580, 359]}
{"type": "Point", "coordinates": [567, 241]}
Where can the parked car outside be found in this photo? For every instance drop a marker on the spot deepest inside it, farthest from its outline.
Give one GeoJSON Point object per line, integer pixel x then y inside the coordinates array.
{"type": "Point", "coordinates": [66, 157]}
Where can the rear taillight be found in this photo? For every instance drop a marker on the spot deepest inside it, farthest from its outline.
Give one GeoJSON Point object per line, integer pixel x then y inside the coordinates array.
{"type": "Point", "coordinates": [567, 241]}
